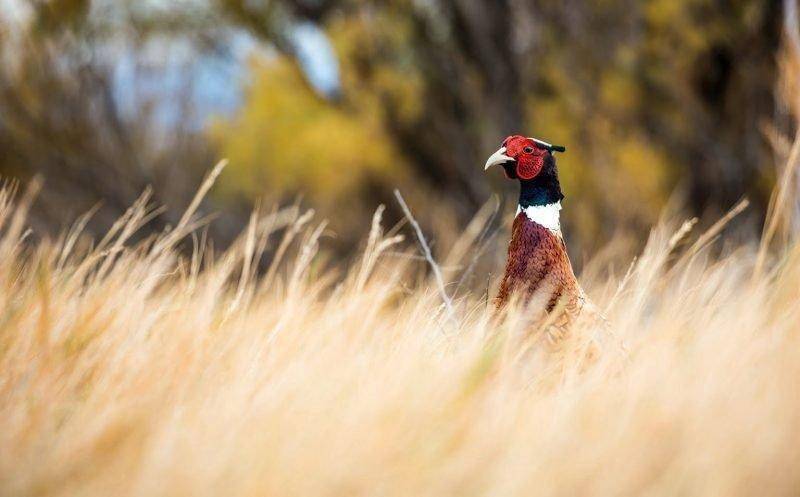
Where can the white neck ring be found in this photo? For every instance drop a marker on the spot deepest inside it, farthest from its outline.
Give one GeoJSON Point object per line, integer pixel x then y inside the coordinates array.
{"type": "Point", "coordinates": [544, 215]}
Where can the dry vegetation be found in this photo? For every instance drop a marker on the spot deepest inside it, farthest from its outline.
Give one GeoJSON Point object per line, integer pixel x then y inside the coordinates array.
{"type": "Point", "coordinates": [129, 370]}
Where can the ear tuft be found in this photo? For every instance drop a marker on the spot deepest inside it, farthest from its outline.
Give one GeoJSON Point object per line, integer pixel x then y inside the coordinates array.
{"type": "Point", "coordinates": [548, 146]}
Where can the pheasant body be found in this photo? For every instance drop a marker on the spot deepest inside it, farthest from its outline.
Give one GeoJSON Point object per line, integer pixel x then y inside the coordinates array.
{"type": "Point", "coordinates": [538, 264]}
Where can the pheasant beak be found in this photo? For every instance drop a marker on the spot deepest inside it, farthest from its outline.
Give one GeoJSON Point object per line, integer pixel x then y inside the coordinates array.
{"type": "Point", "coordinates": [497, 158]}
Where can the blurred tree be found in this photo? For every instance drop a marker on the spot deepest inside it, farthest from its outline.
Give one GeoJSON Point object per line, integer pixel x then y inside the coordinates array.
{"type": "Point", "coordinates": [62, 116]}
{"type": "Point", "coordinates": [288, 140]}
{"type": "Point", "coordinates": [648, 95]}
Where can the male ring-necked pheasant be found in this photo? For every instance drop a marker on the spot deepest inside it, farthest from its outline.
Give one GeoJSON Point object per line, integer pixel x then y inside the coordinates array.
{"type": "Point", "coordinates": [538, 264]}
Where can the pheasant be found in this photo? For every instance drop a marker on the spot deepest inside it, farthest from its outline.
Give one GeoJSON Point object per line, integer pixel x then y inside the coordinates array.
{"type": "Point", "coordinates": [538, 264]}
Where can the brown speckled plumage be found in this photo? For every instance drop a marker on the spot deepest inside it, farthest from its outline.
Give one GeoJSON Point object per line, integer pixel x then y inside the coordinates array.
{"type": "Point", "coordinates": [538, 262]}
{"type": "Point", "coordinates": [539, 272]}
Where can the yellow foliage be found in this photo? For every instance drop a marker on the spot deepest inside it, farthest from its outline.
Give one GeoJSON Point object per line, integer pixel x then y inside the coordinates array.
{"type": "Point", "coordinates": [398, 80]}
{"type": "Point", "coordinates": [604, 162]}
{"type": "Point", "coordinates": [288, 139]}
{"type": "Point", "coordinates": [619, 92]}
{"type": "Point", "coordinates": [645, 171]}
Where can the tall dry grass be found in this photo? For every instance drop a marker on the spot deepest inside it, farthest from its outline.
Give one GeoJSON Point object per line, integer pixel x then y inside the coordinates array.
{"type": "Point", "coordinates": [128, 370]}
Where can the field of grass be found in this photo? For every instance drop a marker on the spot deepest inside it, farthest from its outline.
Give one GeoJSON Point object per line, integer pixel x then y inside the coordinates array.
{"type": "Point", "coordinates": [129, 370]}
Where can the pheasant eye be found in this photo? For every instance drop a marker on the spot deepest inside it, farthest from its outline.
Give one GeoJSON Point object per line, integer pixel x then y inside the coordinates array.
{"type": "Point", "coordinates": [528, 150]}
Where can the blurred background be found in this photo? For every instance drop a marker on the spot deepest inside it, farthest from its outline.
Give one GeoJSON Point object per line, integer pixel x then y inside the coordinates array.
{"type": "Point", "coordinates": [334, 103]}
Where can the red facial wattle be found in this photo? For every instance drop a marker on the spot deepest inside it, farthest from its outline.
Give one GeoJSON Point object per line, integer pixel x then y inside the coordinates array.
{"type": "Point", "coordinates": [528, 166]}
{"type": "Point", "coordinates": [529, 158]}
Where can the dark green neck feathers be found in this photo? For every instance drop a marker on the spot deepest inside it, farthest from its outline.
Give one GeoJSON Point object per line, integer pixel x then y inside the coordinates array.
{"type": "Point", "coordinates": [544, 189]}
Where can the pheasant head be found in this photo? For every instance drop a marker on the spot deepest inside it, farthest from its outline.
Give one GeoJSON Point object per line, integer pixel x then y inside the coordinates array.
{"type": "Point", "coordinates": [531, 162]}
